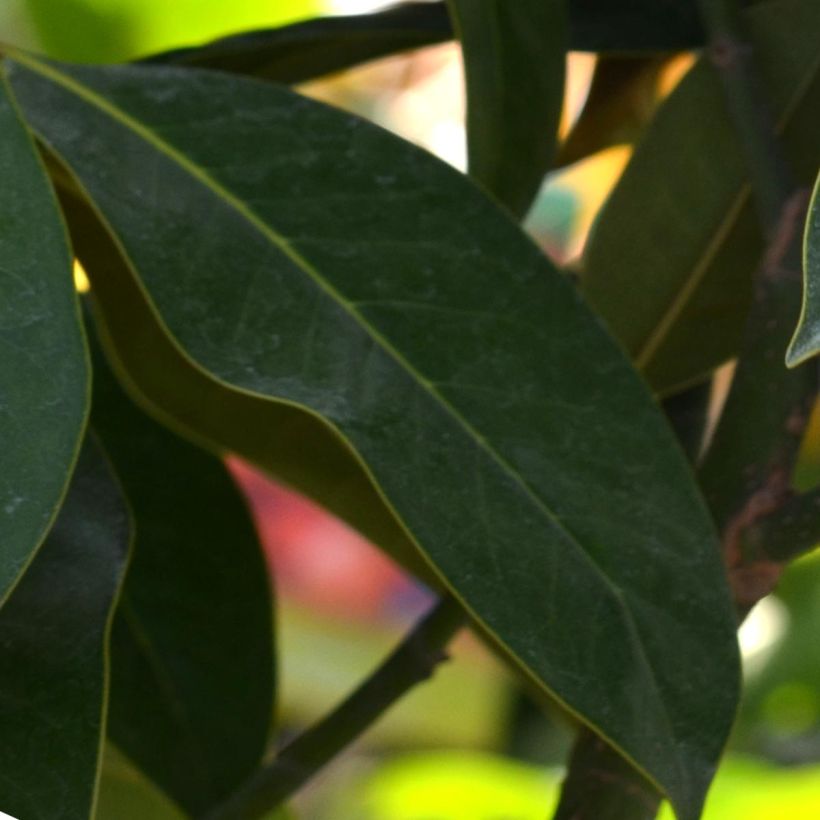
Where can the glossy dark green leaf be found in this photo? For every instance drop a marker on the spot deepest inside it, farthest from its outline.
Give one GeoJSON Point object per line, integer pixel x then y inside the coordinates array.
{"type": "Point", "coordinates": [53, 661]}
{"type": "Point", "coordinates": [510, 135]}
{"type": "Point", "coordinates": [305, 255]}
{"type": "Point", "coordinates": [43, 371]}
{"type": "Point", "coordinates": [303, 51]}
{"type": "Point", "coordinates": [669, 263]}
{"type": "Point", "coordinates": [806, 341]}
{"type": "Point", "coordinates": [192, 679]}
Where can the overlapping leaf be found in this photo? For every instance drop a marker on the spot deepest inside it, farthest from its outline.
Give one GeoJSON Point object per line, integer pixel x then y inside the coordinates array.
{"type": "Point", "coordinates": [309, 49]}
{"type": "Point", "coordinates": [191, 648]}
{"type": "Point", "coordinates": [511, 135]}
{"type": "Point", "coordinates": [53, 664]}
{"type": "Point", "coordinates": [806, 341]}
{"type": "Point", "coordinates": [669, 264]}
{"type": "Point", "coordinates": [306, 256]}
{"type": "Point", "coordinates": [296, 447]}
{"type": "Point", "coordinates": [43, 372]}
{"type": "Point", "coordinates": [303, 51]}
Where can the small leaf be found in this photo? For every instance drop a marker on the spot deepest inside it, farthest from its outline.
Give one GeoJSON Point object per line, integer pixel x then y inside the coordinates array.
{"type": "Point", "coordinates": [53, 666]}
{"type": "Point", "coordinates": [304, 51]}
{"type": "Point", "coordinates": [308, 257]}
{"type": "Point", "coordinates": [192, 679]}
{"type": "Point", "coordinates": [670, 261]}
{"type": "Point", "coordinates": [43, 371]}
{"type": "Point", "coordinates": [806, 340]}
{"type": "Point", "coordinates": [511, 136]}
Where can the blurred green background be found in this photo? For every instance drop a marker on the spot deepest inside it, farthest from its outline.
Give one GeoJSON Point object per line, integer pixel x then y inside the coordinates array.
{"type": "Point", "coordinates": [470, 745]}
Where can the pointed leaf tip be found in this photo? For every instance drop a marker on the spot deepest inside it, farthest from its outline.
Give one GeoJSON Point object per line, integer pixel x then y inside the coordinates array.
{"type": "Point", "coordinates": [806, 340]}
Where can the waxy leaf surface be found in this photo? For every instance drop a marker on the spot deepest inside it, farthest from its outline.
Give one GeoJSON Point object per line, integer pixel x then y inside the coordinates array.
{"type": "Point", "coordinates": [670, 261]}
{"type": "Point", "coordinates": [192, 679]}
{"type": "Point", "coordinates": [304, 255]}
{"type": "Point", "coordinates": [806, 341]}
{"type": "Point", "coordinates": [43, 372]}
{"type": "Point", "coordinates": [53, 656]}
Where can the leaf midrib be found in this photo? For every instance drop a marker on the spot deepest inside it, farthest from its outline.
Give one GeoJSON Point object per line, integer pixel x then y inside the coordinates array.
{"type": "Point", "coordinates": [660, 333]}
{"type": "Point", "coordinates": [159, 144]}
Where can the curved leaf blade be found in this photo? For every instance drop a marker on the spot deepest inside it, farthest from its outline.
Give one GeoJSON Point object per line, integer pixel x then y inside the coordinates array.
{"type": "Point", "coordinates": [294, 446]}
{"type": "Point", "coordinates": [806, 340]}
{"type": "Point", "coordinates": [313, 48]}
{"type": "Point", "coordinates": [510, 135]}
{"type": "Point", "coordinates": [53, 675]}
{"type": "Point", "coordinates": [301, 254]}
{"type": "Point", "coordinates": [310, 49]}
{"type": "Point", "coordinates": [670, 261]}
{"type": "Point", "coordinates": [191, 703]}
{"type": "Point", "coordinates": [43, 370]}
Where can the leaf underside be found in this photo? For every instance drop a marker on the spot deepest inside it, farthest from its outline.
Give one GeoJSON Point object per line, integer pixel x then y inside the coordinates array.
{"type": "Point", "coordinates": [670, 260]}
{"type": "Point", "coordinates": [306, 256]}
{"type": "Point", "coordinates": [191, 704]}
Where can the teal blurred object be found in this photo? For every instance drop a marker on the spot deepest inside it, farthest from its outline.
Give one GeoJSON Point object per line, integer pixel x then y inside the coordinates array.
{"type": "Point", "coordinates": [98, 31]}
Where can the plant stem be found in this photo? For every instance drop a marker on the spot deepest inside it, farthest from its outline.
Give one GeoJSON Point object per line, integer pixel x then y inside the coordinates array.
{"type": "Point", "coordinates": [732, 55]}
{"type": "Point", "coordinates": [746, 473]}
{"type": "Point", "coordinates": [600, 784]}
{"type": "Point", "coordinates": [413, 661]}
{"type": "Point", "coordinates": [788, 533]}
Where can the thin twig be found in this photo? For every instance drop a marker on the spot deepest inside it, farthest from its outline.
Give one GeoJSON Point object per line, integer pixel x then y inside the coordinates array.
{"type": "Point", "coordinates": [412, 662]}
{"type": "Point", "coordinates": [746, 473]}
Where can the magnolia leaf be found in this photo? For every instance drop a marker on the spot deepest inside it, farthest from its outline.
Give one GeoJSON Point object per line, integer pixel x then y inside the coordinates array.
{"type": "Point", "coordinates": [54, 664]}
{"type": "Point", "coordinates": [308, 257]}
{"type": "Point", "coordinates": [511, 135]}
{"type": "Point", "coordinates": [670, 261]}
{"type": "Point", "coordinates": [191, 704]}
{"type": "Point", "coordinates": [310, 49]}
{"type": "Point", "coordinates": [43, 369]}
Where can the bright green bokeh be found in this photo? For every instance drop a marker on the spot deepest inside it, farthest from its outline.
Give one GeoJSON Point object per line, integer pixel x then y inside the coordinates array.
{"type": "Point", "coordinates": [113, 30]}
{"type": "Point", "coordinates": [469, 786]}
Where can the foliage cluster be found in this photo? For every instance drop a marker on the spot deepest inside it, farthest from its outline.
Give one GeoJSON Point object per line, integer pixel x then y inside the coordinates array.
{"type": "Point", "coordinates": [274, 278]}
